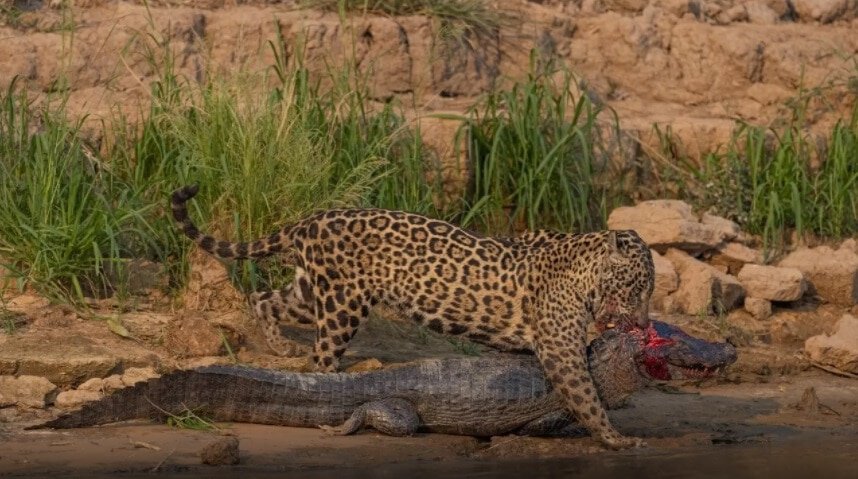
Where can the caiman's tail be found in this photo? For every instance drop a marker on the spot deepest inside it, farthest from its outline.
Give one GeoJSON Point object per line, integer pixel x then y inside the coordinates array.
{"type": "Point", "coordinates": [274, 244]}
{"type": "Point", "coordinates": [154, 399]}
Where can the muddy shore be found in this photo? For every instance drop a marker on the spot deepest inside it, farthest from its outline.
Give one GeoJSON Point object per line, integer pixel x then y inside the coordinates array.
{"type": "Point", "coordinates": [724, 418]}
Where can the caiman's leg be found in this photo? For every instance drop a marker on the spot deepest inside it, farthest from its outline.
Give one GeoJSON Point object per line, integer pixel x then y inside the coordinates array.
{"type": "Point", "coordinates": [393, 416]}
{"type": "Point", "coordinates": [554, 423]}
{"type": "Point", "coordinates": [279, 307]}
{"type": "Point", "coordinates": [560, 338]}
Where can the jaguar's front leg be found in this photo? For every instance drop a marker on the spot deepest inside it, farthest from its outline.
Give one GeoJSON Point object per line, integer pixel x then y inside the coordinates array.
{"type": "Point", "coordinates": [560, 337]}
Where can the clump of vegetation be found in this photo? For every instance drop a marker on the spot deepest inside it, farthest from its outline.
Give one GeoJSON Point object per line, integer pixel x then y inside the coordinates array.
{"type": "Point", "coordinates": [189, 419]}
{"type": "Point", "coordinates": [262, 156]}
{"type": "Point", "coordinates": [64, 212]}
{"type": "Point", "coordinates": [767, 182]}
{"type": "Point", "coordinates": [536, 158]}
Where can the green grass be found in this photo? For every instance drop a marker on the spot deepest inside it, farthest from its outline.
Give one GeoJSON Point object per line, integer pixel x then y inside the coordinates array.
{"type": "Point", "coordinates": [765, 180]}
{"type": "Point", "coordinates": [188, 419]}
{"type": "Point", "coordinates": [63, 210]}
{"type": "Point", "coordinates": [535, 156]}
{"type": "Point", "coordinates": [264, 156]}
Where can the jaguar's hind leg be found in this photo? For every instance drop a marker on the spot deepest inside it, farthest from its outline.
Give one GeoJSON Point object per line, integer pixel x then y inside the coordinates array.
{"type": "Point", "coordinates": [282, 307]}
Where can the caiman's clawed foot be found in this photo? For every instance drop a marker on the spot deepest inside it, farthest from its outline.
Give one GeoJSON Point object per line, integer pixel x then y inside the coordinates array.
{"type": "Point", "coordinates": [393, 416]}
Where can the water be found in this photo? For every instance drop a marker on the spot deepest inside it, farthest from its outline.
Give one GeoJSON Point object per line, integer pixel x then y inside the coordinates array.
{"type": "Point", "coordinates": [827, 459]}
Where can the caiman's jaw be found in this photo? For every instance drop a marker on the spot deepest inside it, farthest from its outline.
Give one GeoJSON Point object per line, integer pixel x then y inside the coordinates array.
{"type": "Point", "coordinates": [669, 353]}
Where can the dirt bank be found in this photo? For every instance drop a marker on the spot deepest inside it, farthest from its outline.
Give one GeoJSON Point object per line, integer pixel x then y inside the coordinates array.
{"type": "Point", "coordinates": [695, 66]}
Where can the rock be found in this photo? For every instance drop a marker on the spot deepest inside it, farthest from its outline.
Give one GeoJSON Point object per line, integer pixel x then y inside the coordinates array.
{"type": "Point", "coordinates": [94, 384]}
{"type": "Point", "coordinates": [667, 224]}
{"type": "Point", "coordinates": [734, 256]}
{"type": "Point", "coordinates": [850, 244]}
{"type": "Point", "coordinates": [148, 326]}
{"type": "Point", "coordinates": [112, 383]}
{"type": "Point", "coordinates": [736, 13]}
{"type": "Point", "coordinates": [729, 229]}
{"type": "Point", "coordinates": [221, 452]}
{"type": "Point", "coordinates": [702, 288]}
{"type": "Point", "coordinates": [772, 282]}
{"type": "Point", "coordinates": [758, 307]}
{"type": "Point", "coordinates": [132, 376]}
{"type": "Point", "coordinates": [70, 359]}
{"type": "Point", "coordinates": [823, 11]}
{"type": "Point", "coordinates": [625, 5]}
{"type": "Point", "coordinates": [76, 397]}
{"type": "Point", "coordinates": [190, 334]}
{"type": "Point", "coordinates": [840, 349]}
{"type": "Point", "coordinates": [782, 8]}
{"type": "Point", "coordinates": [666, 280]}
{"type": "Point", "coordinates": [833, 274]}
{"type": "Point", "coordinates": [25, 391]}
{"type": "Point", "coordinates": [792, 327]}
{"type": "Point", "coordinates": [760, 13]}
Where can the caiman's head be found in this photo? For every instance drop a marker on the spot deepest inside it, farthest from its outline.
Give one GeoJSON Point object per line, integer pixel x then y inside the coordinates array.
{"type": "Point", "coordinates": [623, 360]}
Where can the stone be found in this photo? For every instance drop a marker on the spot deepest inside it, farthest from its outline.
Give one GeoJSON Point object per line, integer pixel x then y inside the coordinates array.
{"type": "Point", "coordinates": [824, 11]}
{"type": "Point", "coordinates": [760, 13]}
{"type": "Point", "coordinates": [736, 13]}
{"type": "Point", "coordinates": [840, 349]}
{"type": "Point", "coordinates": [70, 359]}
{"type": "Point", "coordinates": [25, 391]}
{"type": "Point", "coordinates": [191, 335]}
{"type": "Point", "coordinates": [729, 229]}
{"type": "Point", "coordinates": [773, 283]}
{"type": "Point", "coordinates": [221, 452]}
{"type": "Point", "coordinates": [666, 280]}
{"type": "Point", "coordinates": [94, 384]}
{"type": "Point", "coordinates": [832, 274]}
{"type": "Point", "coordinates": [782, 8]}
{"type": "Point", "coordinates": [626, 5]}
{"type": "Point", "coordinates": [850, 244]}
{"type": "Point", "coordinates": [734, 256]}
{"type": "Point", "coordinates": [758, 307]}
{"type": "Point", "coordinates": [112, 383]}
{"type": "Point", "coordinates": [664, 224]}
{"type": "Point", "coordinates": [790, 327]}
{"type": "Point", "coordinates": [132, 376]}
{"type": "Point", "coordinates": [76, 397]}
{"type": "Point", "coordinates": [146, 325]}
{"type": "Point", "coordinates": [702, 288]}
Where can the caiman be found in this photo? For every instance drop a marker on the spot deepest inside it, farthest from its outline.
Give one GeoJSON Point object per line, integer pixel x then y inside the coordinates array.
{"type": "Point", "coordinates": [484, 396]}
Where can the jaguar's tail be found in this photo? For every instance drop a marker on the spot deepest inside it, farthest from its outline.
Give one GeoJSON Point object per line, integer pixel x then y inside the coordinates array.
{"type": "Point", "coordinates": [273, 244]}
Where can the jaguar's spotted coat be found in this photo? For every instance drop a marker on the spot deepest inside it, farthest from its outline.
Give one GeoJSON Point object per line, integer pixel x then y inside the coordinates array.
{"type": "Point", "coordinates": [535, 294]}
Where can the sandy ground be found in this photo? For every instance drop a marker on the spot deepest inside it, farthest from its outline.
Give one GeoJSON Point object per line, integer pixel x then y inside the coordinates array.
{"type": "Point", "coordinates": [674, 420]}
